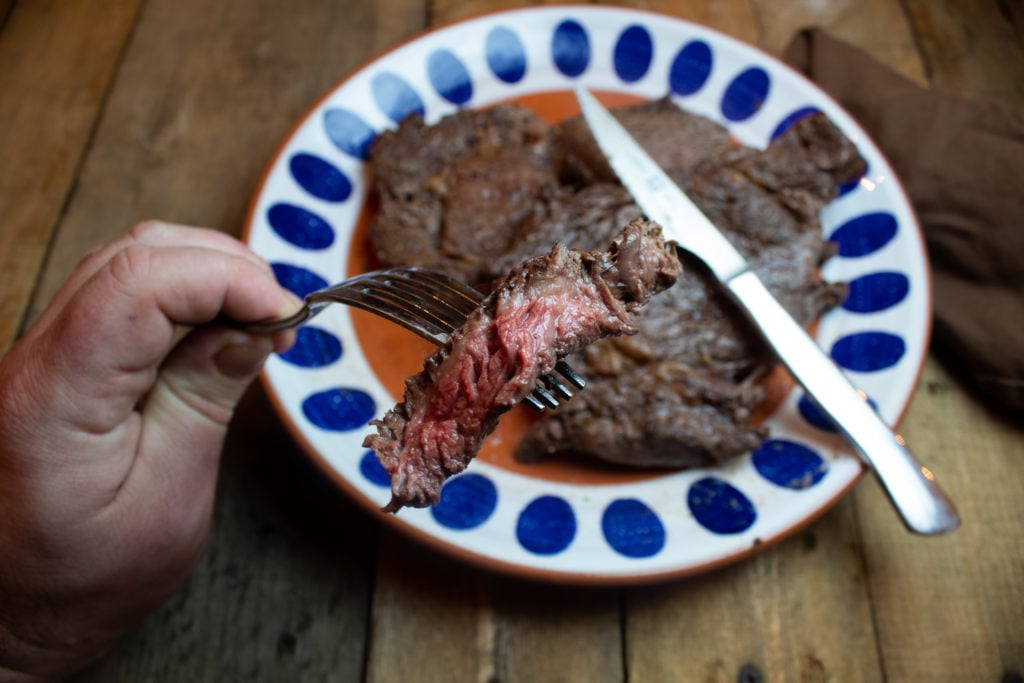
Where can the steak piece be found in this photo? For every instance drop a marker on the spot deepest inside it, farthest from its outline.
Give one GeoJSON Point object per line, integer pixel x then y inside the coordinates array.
{"type": "Point", "coordinates": [544, 309]}
{"type": "Point", "coordinates": [680, 393]}
{"type": "Point", "coordinates": [658, 414]}
{"type": "Point", "coordinates": [455, 194]}
{"type": "Point", "coordinates": [678, 141]}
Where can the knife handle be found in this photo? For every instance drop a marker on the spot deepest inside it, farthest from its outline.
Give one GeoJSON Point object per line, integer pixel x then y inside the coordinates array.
{"type": "Point", "coordinates": [912, 488]}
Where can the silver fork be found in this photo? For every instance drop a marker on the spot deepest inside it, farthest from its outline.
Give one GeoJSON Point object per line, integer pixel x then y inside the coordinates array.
{"type": "Point", "coordinates": [426, 302]}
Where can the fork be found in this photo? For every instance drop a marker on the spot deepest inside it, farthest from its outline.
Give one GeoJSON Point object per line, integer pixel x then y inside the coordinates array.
{"type": "Point", "coordinates": [424, 301]}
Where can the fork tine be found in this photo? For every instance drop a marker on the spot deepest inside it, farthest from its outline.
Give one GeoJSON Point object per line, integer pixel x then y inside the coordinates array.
{"type": "Point", "coordinates": [545, 397]}
{"type": "Point", "coordinates": [434, 299]}
{"type": "Point", "coordinates": [565, 370]}
{"type": "Point", "coordinates": [428, 303]}
{"type": "Point", "coordinates": [454, 292]}
{"type": "Point", "coordinates": [552, 384]}
{"type": "Point", "coordinates": [414, 319]}
{"type": "Point", "coordinates": [404, 296]}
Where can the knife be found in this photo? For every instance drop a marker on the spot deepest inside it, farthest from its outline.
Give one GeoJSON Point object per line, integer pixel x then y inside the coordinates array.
{"type": "Point", "coordinates": [911, 487]}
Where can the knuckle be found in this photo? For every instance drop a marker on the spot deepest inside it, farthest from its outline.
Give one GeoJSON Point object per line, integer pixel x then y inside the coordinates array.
{"type": "Point", "coordinates": [144, 230]}
{"type": "Point", "coordinates": [130, 266]}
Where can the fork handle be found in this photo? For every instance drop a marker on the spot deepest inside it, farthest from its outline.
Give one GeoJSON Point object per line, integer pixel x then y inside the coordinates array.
{"type": "Point", "coordinates": [912, 488]}
{"type": "Point", "coordinates": [270, 326]}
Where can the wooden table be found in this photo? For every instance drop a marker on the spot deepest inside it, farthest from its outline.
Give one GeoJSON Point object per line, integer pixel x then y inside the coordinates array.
{"type": "Point", "coordinates": [116, 111]}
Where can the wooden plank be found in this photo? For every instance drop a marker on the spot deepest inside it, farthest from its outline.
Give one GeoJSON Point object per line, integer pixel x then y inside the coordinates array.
{"type": "Point", "coordinates": [736, 18]}
{"type": "Point", "coordinates": [923, 613]}
{"type": "Point", "coordinates": [989, 32]}
{"type": "Point", "coordinates": [57, 65]}
{"type": "Point", "coordinates": [205, 94]}
{"type": "Point", "coordinates": [427, 617]}
{"type": "Point", "coordinates": [796, 612]}
{"type": "Point", "coordinates": [188, 133]}
{"type": "Point", "coordinates": [549, 633]}
{"type": "Point", "coordinates": [448, 621]}
{"type": "Point", "coordinates": [752, 618]}
{"type": "Point", "coordinates": [730, 16]}
{"type": "Point", "coordinates": [879, 27]}
{"type": "Point", "coordinates": [979, 616]}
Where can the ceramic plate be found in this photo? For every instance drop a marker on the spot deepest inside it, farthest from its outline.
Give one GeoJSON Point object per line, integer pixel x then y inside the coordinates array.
{"type": "Point", "coordinates": [556, 521]}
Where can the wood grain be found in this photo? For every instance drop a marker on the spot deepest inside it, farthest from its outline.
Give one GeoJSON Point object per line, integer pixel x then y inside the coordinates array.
{"type": "Point", "coordinates": [959, 593]}
{"type": "Point", "coordinates": [990, 32]}
{"type": "Point", "coordinates": [450, 622]}
{"type": "Point", "coordinates": [754, 616]}
{"type": "Point", "coordinates": [855, 22]}
{"type": "Point", "coordinates": [60, 64]}
{"type": "Point", "coordinates": [186, 139]}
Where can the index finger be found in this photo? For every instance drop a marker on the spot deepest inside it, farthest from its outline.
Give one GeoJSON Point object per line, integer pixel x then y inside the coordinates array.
{"type": "Point", "coordinates": [147, 233]}
{"type": "Point", "coordinates": [104, 347]}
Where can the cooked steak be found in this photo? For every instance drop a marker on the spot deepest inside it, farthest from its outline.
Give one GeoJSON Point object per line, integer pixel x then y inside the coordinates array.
{"type": "Point", "coordinates": [544, 309]}
{"type": "Point", "coordinates": [678, 141]}
{"type": "Point", "coordinates": [681, 391]}
{"type": "Point", "coordinates": [455, 194]}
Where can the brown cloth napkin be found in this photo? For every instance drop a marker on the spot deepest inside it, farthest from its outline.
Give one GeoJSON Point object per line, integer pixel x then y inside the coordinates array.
{"type": "Point", "coordinates": [962, 163]}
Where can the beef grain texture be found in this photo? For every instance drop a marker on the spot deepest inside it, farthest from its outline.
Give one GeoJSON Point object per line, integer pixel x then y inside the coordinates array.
{"type": "Point", "coordinates": [545, 308]}
{"type": "Point", "coordinates": [679, 393]}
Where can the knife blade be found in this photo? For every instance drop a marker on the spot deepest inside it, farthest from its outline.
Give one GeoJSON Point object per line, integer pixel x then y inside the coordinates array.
{"type": "Point", "coordinates": [911, 487]}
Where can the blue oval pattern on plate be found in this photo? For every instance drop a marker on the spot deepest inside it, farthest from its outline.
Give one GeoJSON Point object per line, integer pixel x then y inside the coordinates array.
{"type": "Point", "coordinates": [746, 94]}
{"type": "Point", "coordinates": [372, 470]}
{"type": "Point", "coordinates": [691, 68]}
{"type": "Point", "coordinates": [449, 77]}
{"type": "Point", "coordinates": [320, 178]}
{"type": "Point", "coordinates": [339, 410]}
{"type": "Point", "coordinates": [632, 528]}
{"type": "Point", "coordinates": [467, 501]}
{"type": "Point", "coordinates": [570, 48]}
{"type": "Point", "coordinates": [546, 526]}
{"type": "Point", "coordinates": [633, 53]}
{"type": "Point", "coordinates": [395, 97]}
{"type": "Point", "coordinates": [300, 227]}
{"type": "Point", "coordinates": [815, 416]}
{"type": "Point", "coordinates": [865, 234]}
{"type": "Point", "coordinates": [869, 351]}
{"type": "Point", "coordinates": [787, 123]}
{"type": "Point", "coordinates": [876, 292]}
{"type": "Point", "coordinates": [789, 464]}
{"type": "Point", "coordinates": [296, 279]}
{"type": "Point", "coordinates": [720, 507]}
{"type": "Point", "coordinates": [349, 133]}
{"type": "Point", "coordinates": [505, 55]}
{"type": "Point", "coordinates": [313, 348]}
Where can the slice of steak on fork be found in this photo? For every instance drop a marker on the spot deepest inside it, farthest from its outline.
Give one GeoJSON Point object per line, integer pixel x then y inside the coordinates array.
{"type": "Point", "coordinates": [545, 308]}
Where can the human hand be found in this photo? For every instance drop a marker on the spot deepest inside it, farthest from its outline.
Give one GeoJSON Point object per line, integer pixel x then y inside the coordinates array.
{"type": "Point", "coordinates": [110, 436]}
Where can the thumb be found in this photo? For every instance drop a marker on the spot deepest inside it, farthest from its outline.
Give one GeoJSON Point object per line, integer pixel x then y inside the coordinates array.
{"type": "Point", "coordinates": [199, 385]}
